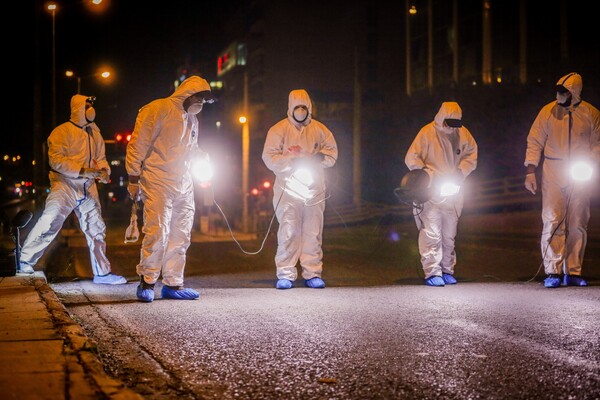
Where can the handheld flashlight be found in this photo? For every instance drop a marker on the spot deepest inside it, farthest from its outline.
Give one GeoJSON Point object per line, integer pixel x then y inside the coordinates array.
{"type": "Point", "coordinates": [581, 171]}
{"type": "Point", "coordinates": [202, 170]}
{"type": "Point", "coordinates": [449, 189]}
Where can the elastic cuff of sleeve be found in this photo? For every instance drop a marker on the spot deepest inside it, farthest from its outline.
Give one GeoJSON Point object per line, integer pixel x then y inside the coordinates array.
{"type": "Point", "coordinates": [530, 173]}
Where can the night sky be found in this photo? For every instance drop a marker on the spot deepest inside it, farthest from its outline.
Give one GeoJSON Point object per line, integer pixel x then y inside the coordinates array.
{"type": "Point", "coordinates": [144, 43]}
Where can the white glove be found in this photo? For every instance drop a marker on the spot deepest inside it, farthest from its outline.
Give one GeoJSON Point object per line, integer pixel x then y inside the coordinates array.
{"type": "Point", "coordinates": [91, 173]}
{"type": "Point", "coordinates": [531, 182]}
{"type": "Point", "coordinates": [104, 177]}
{"type": "Point", "coordinates": [134, 191]}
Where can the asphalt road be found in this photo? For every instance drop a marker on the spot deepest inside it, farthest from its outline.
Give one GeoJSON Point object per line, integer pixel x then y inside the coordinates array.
{"type": "Point", "coordinates": [375, 332]}
{"type": "Point", "coordinates": [469, 341]}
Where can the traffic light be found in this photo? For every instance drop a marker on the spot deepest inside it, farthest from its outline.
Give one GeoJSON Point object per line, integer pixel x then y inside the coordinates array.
{"type": "Point", "coordinates": [264, 188]}
{"type": "Point", "coordinates": [122, 139]}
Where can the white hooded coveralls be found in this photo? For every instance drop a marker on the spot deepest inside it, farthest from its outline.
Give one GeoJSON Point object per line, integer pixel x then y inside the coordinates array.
{"type": "Point", "coordinates": [300, 221]}
{"type": "Point", "coordinates": [72, 145]}
{"type": "Point", "coordinates": [562, 135]}
{"type": "Point", "coordinates": [164, 140]}
{"type": "Point", "coordinates": [442, 151]}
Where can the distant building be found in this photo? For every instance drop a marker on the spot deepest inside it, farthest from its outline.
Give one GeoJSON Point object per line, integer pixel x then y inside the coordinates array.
{"type": "Point", "coordinates": [378, 72]}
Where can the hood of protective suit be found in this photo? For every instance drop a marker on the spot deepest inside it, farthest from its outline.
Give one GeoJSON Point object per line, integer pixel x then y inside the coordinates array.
{"type": "Point", "coordinates": [574, 84]}
{"type": "Point", "coordinates": [299, 97]}
{"type": "Point", "coordinates": [78, 110]}
{"type": "Point", "coordinates": [189, 87]}
{"type": "Point", "coordinates": [449, 109]}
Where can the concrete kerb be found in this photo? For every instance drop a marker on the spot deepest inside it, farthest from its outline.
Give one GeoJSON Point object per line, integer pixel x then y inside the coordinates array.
{"type": "Point", "coordinates": [82, 348]}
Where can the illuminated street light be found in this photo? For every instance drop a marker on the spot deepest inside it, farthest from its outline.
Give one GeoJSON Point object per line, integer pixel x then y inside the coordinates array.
{"type": "Point", "coordinates": [245, 167]}
{"type": "Point", "coordinates": [102, 74]}
{"type": "Point", "coordinates": [52, 8]}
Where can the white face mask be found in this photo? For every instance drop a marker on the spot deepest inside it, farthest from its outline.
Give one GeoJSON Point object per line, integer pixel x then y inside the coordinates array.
{"type": "Point", "coordinates": [195, 108]}
{"type": "Point", "coordinates": [300, 114]}
{"type": "Point", "coordinates": [563, 99]}
{"type": "Point", "coordinates": [90, 114]}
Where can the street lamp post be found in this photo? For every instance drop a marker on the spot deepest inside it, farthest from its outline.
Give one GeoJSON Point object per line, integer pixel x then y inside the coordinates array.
{"type": "Point", "coordinates": [245, 167]}
{"type": "Point", "coordinates": [52, 8]}
{"type": "Point", "coordinates": [245, 155]}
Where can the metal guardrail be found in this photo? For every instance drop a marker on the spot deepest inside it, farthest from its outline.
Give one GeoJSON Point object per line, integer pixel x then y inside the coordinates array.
{"type": "Point", "coordinates": [500, 192]}
{"type": "Point", "coordinates": [497, 195]}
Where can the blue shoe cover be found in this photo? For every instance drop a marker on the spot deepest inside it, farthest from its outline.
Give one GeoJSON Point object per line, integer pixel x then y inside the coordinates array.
{"type": "Point", "coordinates": [179, 293]}
{"type": "Point", "coordinates": [283, 284]}
{"type": "Point", "coordinates": [315, 283]}
{"type": "Point", "coordinates": [109, 279]}
{"type": "Point", "coordinates": [552, 281]}
{"type": "Point", "coordinates": [434, 281]}
{"type": "Point", "coordinates": [574, 280]}
{"type": "Point", "coordinates": [448, 279]}
{"type": "Point", "coordinates": [25, 269]}
{"type": "Point", "coordinates": [145, 294]}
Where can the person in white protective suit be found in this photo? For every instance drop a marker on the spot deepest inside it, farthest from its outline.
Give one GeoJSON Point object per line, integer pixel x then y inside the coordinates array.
{"type": "Point", "coordinates": [77, 160]}
{"type": "Point", "coordinates": [447, 151]}
{"type": "Point", "coordinates": [566, 133]}
{"type": "Point", "coordinates": [297, 149]}
{"type": "Point", "coordinates": [159, 155]}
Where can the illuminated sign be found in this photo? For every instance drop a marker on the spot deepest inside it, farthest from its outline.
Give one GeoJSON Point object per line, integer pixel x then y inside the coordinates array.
{"type": "Point", "coordinates": [234, 54]}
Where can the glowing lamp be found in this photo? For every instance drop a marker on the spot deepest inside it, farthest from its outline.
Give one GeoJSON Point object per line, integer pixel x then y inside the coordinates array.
{"type": "Point", "coordinates": [449, 189]}
{"type": "Point", "coordinates": [581, 171]}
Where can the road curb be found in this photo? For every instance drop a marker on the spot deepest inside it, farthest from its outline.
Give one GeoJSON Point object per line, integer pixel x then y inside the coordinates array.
{"type": "Point", "coordinates": [82, 348]}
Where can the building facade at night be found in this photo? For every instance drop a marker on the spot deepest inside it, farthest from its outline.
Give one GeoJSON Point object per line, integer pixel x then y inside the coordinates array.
{"type": "Point", "coordinates": [378, 72]}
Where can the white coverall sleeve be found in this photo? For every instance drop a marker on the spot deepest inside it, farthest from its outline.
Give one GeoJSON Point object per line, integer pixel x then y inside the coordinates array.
{"type": "Point", "coordinates": [100, 153]}
{"type": "Point", "coordinates": [414, 155]}
{"type": "Point", "coordinates": [595, 137]}
{"type": "Point", "coordinates": [58, 154]}
{"type": "Point", "coordinates": [468, 161]}
{"type": "Point", "coordinates": [536, 141]}
{"type": "Point", "coordinates": [329, 149]}
{"type": "Point", "coordinates": [143, 136]}
{"type": "Point", "coordinates": [273, 156]}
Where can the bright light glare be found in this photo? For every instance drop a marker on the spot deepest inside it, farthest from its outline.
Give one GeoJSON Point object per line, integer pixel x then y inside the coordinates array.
{"type": "Point", "coordinates": [449, 189]}
{"type": "Point", "coordinates": [304, 176]}
{"type": "Point", "coordinates": [581, 171]}
{"type": "Point", "coordinates": [298, 185]}
{"type": "Point", "coordinates": [202, 170]}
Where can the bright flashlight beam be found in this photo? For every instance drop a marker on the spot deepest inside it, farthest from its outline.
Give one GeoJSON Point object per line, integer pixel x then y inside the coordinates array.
{"type": "Point", "coordinates": [581, 171]}
{"type": "Point", "coordinates": [298, 185]}
{"type": "Point", "coordinates": [449, 189]}
{"type": "Point", "coordinates": [304, 176]}
{"type": "Point", "coordinates": [202, 170]}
